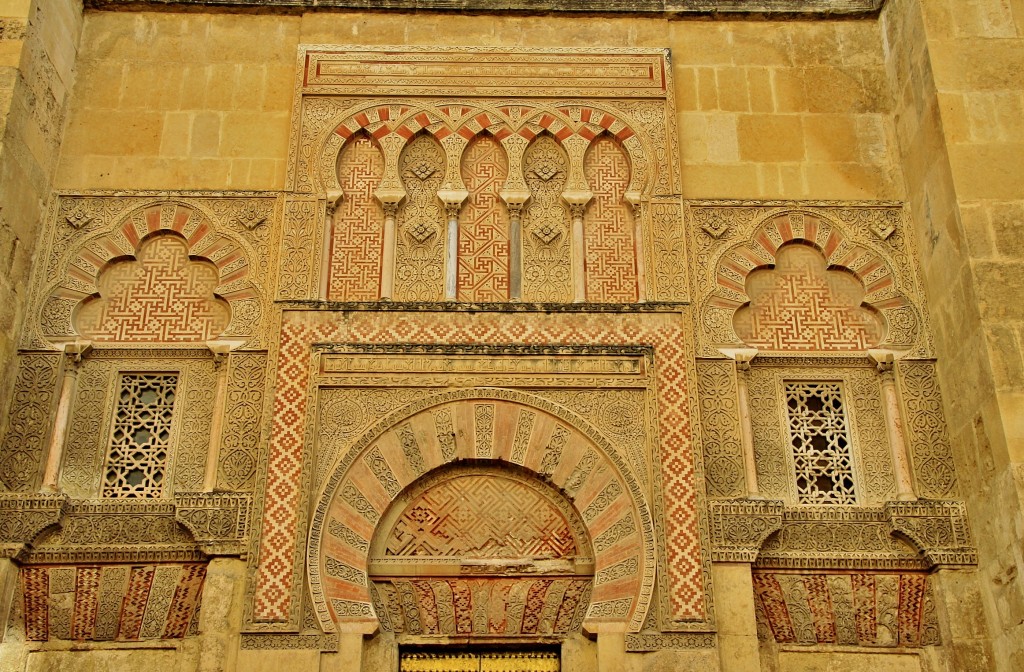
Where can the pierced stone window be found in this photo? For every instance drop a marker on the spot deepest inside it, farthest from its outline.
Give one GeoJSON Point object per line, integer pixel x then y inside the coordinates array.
{"type": "Point", "coordinates": [141, 435]}
{"type": "Point", "coordinates": [819, 434]}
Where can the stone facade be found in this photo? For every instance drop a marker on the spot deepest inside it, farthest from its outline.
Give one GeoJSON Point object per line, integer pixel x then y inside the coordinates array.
{"type": "Point", "coordinates": [580, 336]}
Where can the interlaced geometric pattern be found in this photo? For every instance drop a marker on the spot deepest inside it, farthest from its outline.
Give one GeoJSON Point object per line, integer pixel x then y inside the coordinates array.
{"type": "Point", "coordinates": [141, 435]}
{"type": "Point", "coordinates": [483, 226]}
{"type": "Point", "coordinates": [358, 234]}
{"type": "Point", "coordinates": [610, 248]}
{"type": "Point", "coordinates": [278, 547]}
{"type": "Point", "coordinates": [161, 296]}
{"type": "Point", "coordinates": [481, 516]}
{"type": "Point", "coordinates": [821, 443]}
{"type": "Point", "coordinates": [801, 306]}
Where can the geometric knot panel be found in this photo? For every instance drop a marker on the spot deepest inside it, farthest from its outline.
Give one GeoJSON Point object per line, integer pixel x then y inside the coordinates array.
{"type": "Point", "coordinates": [160, 296]}
{"type": "Point", "coordinates": [801, 306]}
{"type": "Point", "coordinates": [477, 516]}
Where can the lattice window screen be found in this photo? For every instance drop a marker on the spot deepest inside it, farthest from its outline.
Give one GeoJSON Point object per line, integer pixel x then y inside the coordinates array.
{"type": "Point", "coordinates": [820, 437]}
{"type": "Point", "coordinates": [141, 435]}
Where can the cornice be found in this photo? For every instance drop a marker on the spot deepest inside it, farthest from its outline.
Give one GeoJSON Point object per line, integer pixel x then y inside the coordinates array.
{"type": "Point", "coordinates": [724, 8]}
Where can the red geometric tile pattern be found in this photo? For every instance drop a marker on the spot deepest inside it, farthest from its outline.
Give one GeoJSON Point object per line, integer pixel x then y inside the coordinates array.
{"type": "Point", "coordinates": [483, 225]}
{"type": "Point", "coordinates": [849, 609]}
{"type": "Point", "coordinates": [609, 240]}
{"type": "Point", "coordinates": [161, 296]}
{"type": "Point", "coordinates": [799, 305]}
{"type": "Point", "coordinates": [476, 516]}
{"type": "Point", "coordinates": [279, 540]}
{"type": "Point", "coordinates": [89, 620]}
{"type": "Point", "coordinates": [358, 235]}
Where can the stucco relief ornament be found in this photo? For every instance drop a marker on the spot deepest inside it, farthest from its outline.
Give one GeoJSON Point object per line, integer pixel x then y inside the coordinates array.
{"type": "Point", "coordinates": [79, 219]}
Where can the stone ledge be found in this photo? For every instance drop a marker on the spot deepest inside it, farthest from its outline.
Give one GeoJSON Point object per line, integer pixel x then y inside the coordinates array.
{"type": "Point", "coordinates": [795, 8]}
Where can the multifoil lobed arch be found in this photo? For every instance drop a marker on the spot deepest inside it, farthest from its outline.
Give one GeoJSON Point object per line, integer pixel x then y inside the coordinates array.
{"type": "Point", "coordinates": [79, 280]}
{"type": "Point", "coordinates": [454, 124]}
{"type": "Point", "coordinates": [883, 294]}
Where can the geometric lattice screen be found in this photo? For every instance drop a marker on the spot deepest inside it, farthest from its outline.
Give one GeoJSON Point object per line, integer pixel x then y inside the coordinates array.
{"type": "Point", "coordinates": [141, 435]}
{"type": "Point", "coordinates": [820, 438]}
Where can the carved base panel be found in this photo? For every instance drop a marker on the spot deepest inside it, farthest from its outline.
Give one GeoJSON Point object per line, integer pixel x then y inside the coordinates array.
{"type": "Point", "coordinates": [111, 602]}
{"type": "Point", "coordinates": [856, 609]}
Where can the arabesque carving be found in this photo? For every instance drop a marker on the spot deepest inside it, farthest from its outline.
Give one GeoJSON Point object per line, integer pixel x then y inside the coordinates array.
{"type": "Point", "coordinates": [219, 522]}
{"type": "Point", "coordinates": [830, 537]}
{"type": "Point", "coordinates": [24, 516]}
{"type": "Point", "coordinates": [27, 424]}
{"type": "Point", "coordinates": [93, 410]}
{"type": "Point", "coordinates": [633, 110]}
{"type": "Point", "coordinates": [860, 609]}
{"type": "Point", "coordinates": [118, 602]}
{"type": "Point", "coordinates": [739, 527]}
{"type": "Point", "coordinates": [938, 528]}
{"type": "Point", "coordinates": [874, 482]}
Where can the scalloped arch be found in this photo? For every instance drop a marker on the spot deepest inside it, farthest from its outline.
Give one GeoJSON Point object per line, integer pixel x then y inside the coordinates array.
{"type": "Point", "coordinates": [468, 120]}
{"type": "Point", "coordinates": [881, 291]}
{"type": "Point", "coordinates": [81, 275]}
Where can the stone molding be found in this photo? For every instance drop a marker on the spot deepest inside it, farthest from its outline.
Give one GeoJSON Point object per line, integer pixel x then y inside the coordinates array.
{"type": "Point", "coordinates": [24, 516]}
{"type": "Point", "coordinates": [795, 8]}
{"type": "Point", "coordinates": [938, 528]}
{"type": "Point", "coordinates": [219, 522]}
{"type": "Point", "coordinates": [45, 528]}
{"type": "Point", "coordinates": [740, 526]}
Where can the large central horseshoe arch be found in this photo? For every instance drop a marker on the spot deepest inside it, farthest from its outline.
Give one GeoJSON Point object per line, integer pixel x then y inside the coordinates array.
{"type": "Point", "coordinates": [487, 427]}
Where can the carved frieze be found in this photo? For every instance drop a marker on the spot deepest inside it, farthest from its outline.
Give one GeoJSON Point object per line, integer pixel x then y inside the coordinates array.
{"type": "Point", "coordinates": [24, 516]}
{"type": "Point", "coordinates": [938, 528]}
{"type": "Point", "coordinates": [739, 527]}
{"type": "Point", "coordinates": [838, 538]}
{"type": "Point", "coordinates": [218, 521]}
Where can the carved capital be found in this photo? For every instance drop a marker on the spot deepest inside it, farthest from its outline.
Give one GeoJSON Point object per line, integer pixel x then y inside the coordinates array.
{"type": "Point", "coordinates": [24, 516]}
{"type": "Point", "coordinates": [334, 199]}
{"type": "Point", "coordinates": [742, 356]}
{"type": "Point", "coordinates": [74, 352]}
{"type": "Point", "coordinates": [218, 521]}
{"type": "Point", "coordinates": [938, 528]}
{"type": "Point", "coordinates": [740, 526]}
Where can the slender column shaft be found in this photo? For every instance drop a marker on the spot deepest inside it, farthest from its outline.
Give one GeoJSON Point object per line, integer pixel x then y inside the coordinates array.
{"type": "Point", "coordinates": [515, 252]}
{"type": "Point", "coordinates": [579, 280]}
{"type": "Point", "coordinates": [451, 275]}
{"type": "Point", "coordinates": [387, 270]}
{"type": "Point", "coordinates": [55, 451]}
{"type": "Point", "coordinates": [746, 428]}
{"type": "Point", "coordinates": [638, 246]}
{"type": "Point", "coordinates": [217, 423]}
{"type": "Point", "coordinates": [897, 442]}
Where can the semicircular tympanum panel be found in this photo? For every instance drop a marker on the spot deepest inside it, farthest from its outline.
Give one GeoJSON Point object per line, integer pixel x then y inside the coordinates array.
{"type": "Point", "coordinates": [481, 550]}
{"type": "Point", "coordinates": [468, 485]}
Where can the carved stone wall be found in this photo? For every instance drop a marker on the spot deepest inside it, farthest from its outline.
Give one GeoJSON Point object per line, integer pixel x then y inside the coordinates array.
{"type": "Point", "coordinates": [92, 412]}
{"type": "Point", "coordinates": [862, 396]}
{"type": "Point", "coordinates": [609, 143]}
{"type": "Point", "coordinates": [86, 289]}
